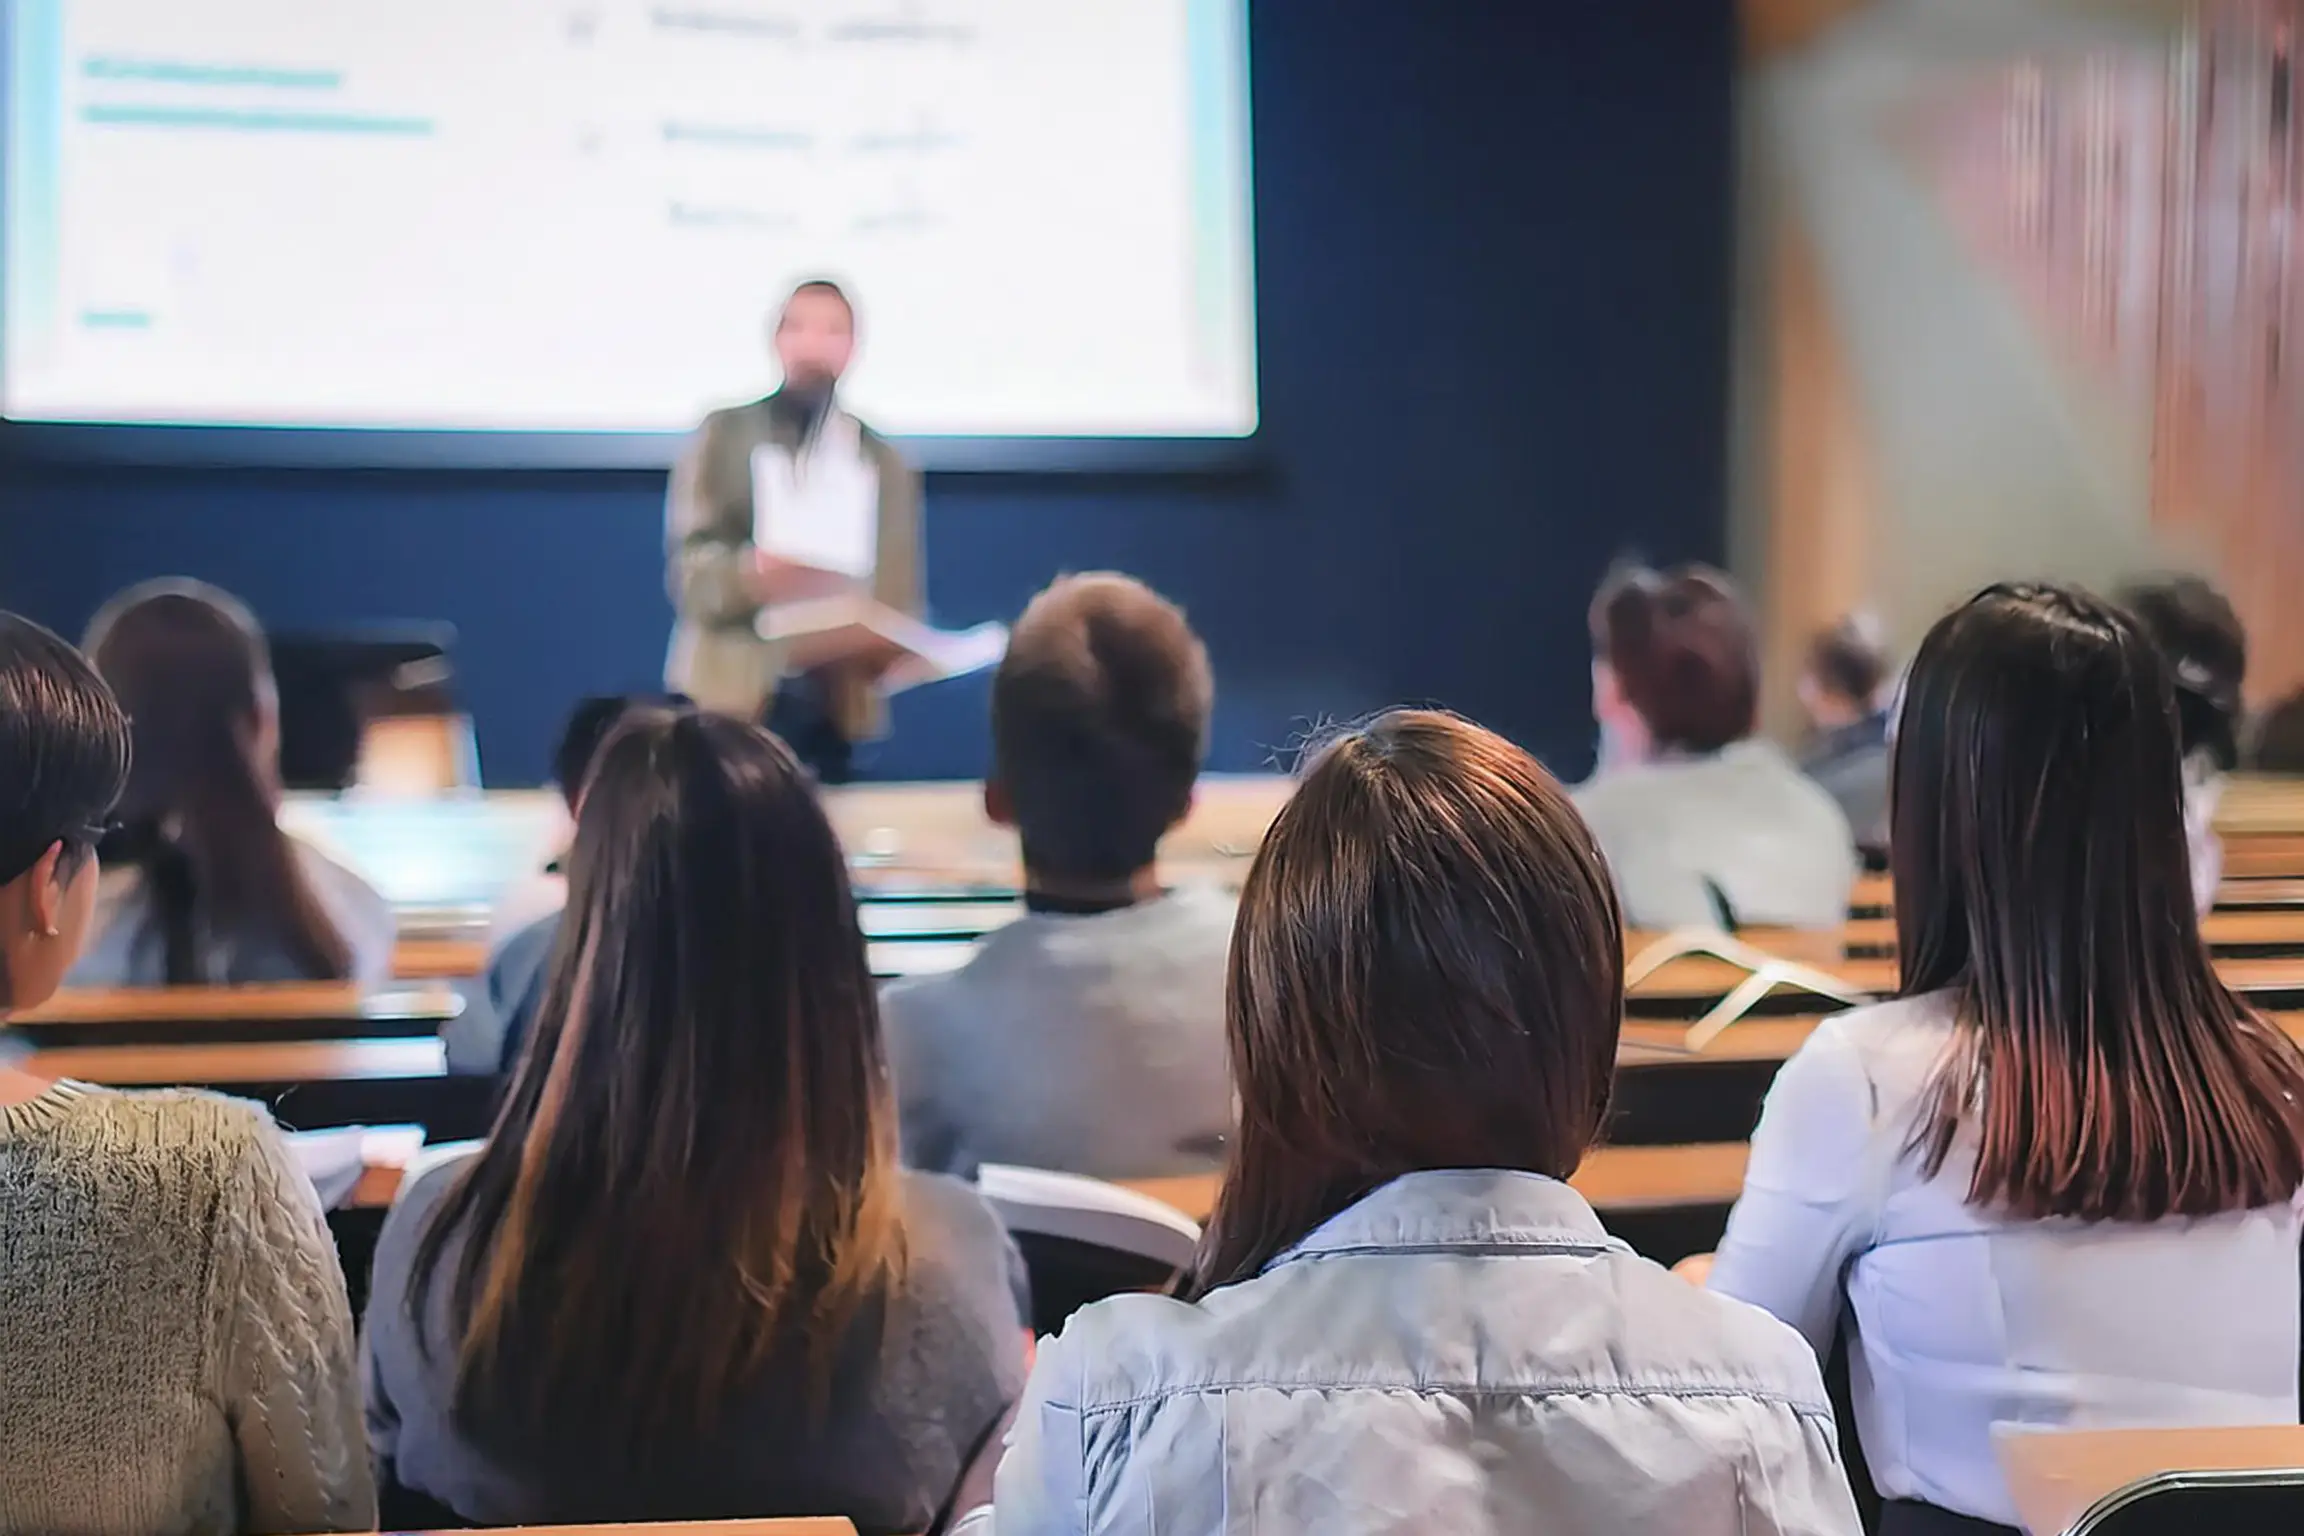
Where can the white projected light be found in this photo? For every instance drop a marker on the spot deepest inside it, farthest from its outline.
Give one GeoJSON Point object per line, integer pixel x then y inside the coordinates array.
{"type": "Point", "coordinates": [575, 215]}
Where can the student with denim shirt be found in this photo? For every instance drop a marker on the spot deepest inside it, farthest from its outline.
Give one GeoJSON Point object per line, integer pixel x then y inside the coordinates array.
{"type": "Point", "coordinates": [1402, 1317]}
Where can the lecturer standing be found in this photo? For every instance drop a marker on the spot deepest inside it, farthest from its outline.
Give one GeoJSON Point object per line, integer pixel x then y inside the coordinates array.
{"type": "Point", "coordinates": [798, 442]}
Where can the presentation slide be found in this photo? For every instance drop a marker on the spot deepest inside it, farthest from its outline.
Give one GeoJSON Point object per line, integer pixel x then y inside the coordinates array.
{"type": "Point", "coordinates": [579, 215]}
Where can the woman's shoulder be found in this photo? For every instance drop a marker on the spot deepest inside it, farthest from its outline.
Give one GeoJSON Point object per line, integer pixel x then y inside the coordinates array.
{"type": "Point", "coordinates": [361, 911]}
{"type": "Point", "coordinates": [335, 879]}
{"type": "Point", "coordinates": [168, 1135]}
{"type": "Point", "coordinates": [1875, 1060]}
{"type": "Point", "coordinates": [948, 1219]}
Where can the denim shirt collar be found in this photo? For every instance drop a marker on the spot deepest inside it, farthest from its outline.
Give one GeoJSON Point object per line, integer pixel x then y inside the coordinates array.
{"type": "Point", "coordinates": [1459, 1210]}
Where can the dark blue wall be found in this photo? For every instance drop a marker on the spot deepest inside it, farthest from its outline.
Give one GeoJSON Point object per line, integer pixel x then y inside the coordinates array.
{"type": "Point", "coordinates": [1493, 242]}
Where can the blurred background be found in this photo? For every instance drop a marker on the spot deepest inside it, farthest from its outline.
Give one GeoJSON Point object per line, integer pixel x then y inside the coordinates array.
{"type": "Point", "coordinates": [2016, 282]}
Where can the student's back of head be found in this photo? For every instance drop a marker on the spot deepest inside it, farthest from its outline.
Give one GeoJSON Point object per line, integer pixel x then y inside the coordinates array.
{"type": "Point", "coordinates": [1675, 652]}
{"type": "Point", "coordinates": [1087, 1036]}
{"type": "Point", "coordinates": [696, 1154]}
{"type": "Point", "coordinates": [1099, 722]}
{"type": "Point", "coordinates": [1846, 671]}
{"type": "Point", "coordinates": [1428, 972]}
{"type": "Point", "coordinates": [63, 763]}
{"type": "Point", "coordinates": [1704, 824]}
{"type": "Point", "coordinates": [685, 1276]}
{"type": "Point", "coordinates": [199, 819]}
{"type": "Point", "coordinates": [2104, 1071]}
{"type": "Point", "coordinates": [2207, 651]}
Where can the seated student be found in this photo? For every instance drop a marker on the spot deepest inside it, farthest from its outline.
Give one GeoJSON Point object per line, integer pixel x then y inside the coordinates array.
{"type": "Point", "coordinates": [685, 1277]}
{"type": "Point", "coordinates": [2207, 651]}
{"type": "Point", "coordinates": [1703, 823]}
{"type": "Point", "coordinates": [2051, 1184]}
{"type": "Point", "coordinates": [203, 885]}
{"type": "Point", "coordinates": [1843, 693]}
{"type": "Point", "coordinates": [1401, 1317]}
{"type": "Point", "coordinates": [484, 1041]}
{"type": "Point", "coordinates": [175, 1345]}
{"type": "Point", "coordinates": [1087, 1036]}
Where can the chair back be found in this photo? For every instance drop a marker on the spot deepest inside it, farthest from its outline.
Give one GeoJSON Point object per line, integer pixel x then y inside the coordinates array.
{"type": "Point", "coordinates": [2141, 1482]}
{"type": "Point", "coordinates": [2244, 1503]}
{"type": "Point", "coordinates": [1083, 1239]}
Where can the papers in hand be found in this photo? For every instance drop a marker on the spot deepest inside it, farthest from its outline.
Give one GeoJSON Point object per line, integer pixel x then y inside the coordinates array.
{"type": "Point", "coordinates": [855, 630]}
{"type": "Point", "coordinates": [820, 509]}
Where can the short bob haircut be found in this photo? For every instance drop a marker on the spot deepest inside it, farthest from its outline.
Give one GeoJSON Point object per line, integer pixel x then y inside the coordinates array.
{"type": "Point", "coordinates": [1683, 651]}
{"type": "Point", "coordinates": [63, 750]}
{"type": "Point", "coordinates": [2102, 1071]}
{"type": "Point", "coordinates": [1427, 972]}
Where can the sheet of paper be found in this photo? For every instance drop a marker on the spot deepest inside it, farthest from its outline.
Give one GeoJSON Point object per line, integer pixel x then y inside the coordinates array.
{"type": "Point", "coordinates": [335, 1160]}
{"type": "Point", "coordinates": [820, 509]}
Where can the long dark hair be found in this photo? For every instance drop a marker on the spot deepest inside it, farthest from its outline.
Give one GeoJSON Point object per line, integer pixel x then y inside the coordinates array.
{"type": "Point", "coordinates": [2041, 870]}
{"type": "Point", "coordinates": [695, 1162]}
{"type": "Point", "coordinates": [201, 814]}
{"type": "Point", "coordinates": [63, 752]}
{"type": "Point", "coordinates": [1427, 972]}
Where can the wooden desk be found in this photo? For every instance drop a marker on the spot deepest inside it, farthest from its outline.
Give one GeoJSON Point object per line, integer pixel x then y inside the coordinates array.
{"type": "Point", "coordinates": [2055, 1475]}
{"type": "Point", "coordinates": [824, 1525]}
{"type": "Point", "coordinates": [438, 959]}
{"type": "Point", "coordinates": [308, 1084]}
{"type": "Point", "coordinates": [1700, 980]}
{"type": "Point", "coordinates": [1614, 1179]}
{"type": "Point", "coordinates": [216, 1015]}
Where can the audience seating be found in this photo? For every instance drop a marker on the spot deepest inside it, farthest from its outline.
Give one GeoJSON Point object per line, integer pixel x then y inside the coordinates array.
{"type": "Point", "coordinates": [2157, 1482]}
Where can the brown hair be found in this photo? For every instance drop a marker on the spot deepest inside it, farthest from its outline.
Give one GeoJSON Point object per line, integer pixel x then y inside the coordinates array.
{"type": "Point", "coordinates": [1849, 662]}
{"type": "Point", "coordinates": [1099, 723]}
{"type": "Point", "coordinates": [2101, 1069]}
{"type": "Point", "coordinates": [695, 1167]}
{"type": "Point", "coordinates": [1682, 649]}
{"type": "Point", "coordinates": [1427, 972]}
{"type": "Point", "coordinates": [201, 814]}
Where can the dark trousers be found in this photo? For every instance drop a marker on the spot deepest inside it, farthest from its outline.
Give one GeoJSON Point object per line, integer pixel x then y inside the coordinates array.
{"type": "Point", "coordinates": [801, 715]}
{"type": "Point", "coordinates": [1904, 1517]}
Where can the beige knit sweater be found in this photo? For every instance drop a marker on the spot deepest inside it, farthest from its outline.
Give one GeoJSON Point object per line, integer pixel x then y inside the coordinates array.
{"type": "Point", "coordinates": [176, 1349]}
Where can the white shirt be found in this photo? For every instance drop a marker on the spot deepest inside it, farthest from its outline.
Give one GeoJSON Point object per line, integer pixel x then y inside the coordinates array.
{"type": "Point", "coordinates": [1742, 819]}
{"type": "Point", "coordinates": [1964, 1321]}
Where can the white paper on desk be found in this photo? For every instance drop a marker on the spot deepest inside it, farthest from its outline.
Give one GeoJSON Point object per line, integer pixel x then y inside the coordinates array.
{"type": "Point", "coordinates": [819, 507]}
{"type": "Point", "coordinates": [331, 1160]}
{"type": "Point", "coordinates": [334, 1160]}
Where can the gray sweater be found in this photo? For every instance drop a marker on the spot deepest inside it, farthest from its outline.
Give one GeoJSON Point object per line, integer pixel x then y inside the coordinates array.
{"type": "Point", "coordinates": [1083, 1044]}
{"type": "Point", "coordinates": [1741, 827]}
{"type": "Point", "coordinates": [176, 1351]}
{"type": "Point", "coordinates": [917, 1385]}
